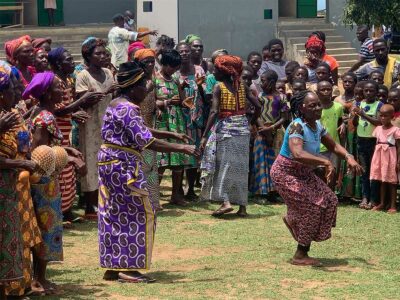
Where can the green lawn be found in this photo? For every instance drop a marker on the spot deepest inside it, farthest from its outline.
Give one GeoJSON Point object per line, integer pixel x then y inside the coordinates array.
{"type": "Point", "coordinates": [200, 257]}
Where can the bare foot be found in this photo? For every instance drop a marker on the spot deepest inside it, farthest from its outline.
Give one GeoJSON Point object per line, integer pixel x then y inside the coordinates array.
{"type": "Point", "coordinates": [378, 207]}
{"type": "Point", "coordinates": [50, 288]}
{"type": "Point", "coordinates": [392, 211]}
{"type": "Point", "coordinates": [306, 261]}
{"type": "Point", "coordinates": [37, 288]}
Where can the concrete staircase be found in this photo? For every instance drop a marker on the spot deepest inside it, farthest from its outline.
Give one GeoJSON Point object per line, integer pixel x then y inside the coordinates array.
{"type": "Point", "coordinates": [70, 37]}
{"type": "Point", "coordinates": [294, 33]}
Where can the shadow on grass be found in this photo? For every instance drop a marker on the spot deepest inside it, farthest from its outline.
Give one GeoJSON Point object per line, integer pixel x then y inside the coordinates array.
{"type": "Point", "coordinates": [249, 216]}
{"type": "Point", "coordinates": [328, 263]}
{"type": "Point", "coordinates": [170, 212]}
{"type": "Point", "coordinates": [77, 292]}
{"type": "Point", "coordinates": [165, 277]}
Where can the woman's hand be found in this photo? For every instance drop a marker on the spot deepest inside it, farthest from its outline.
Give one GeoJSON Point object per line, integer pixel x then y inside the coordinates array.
{"type": "Point", "coordinates": [175, 100]}
{"type": "Point", "coordinates": [80, 116]}
{"type": "Point", "coordinates": [265, 130]}
{"type": "Point", "coordinates": [8, 120]}
{"type": "Point", "coordinates": [200, 79]}
{"type": "Point", "coordinates": [29, 165]}
{"type": "Point", "coordinates": [188, 102]}
{"type": "Point", "coordinates": [79, 164]}
{"type": "Point", "coordinates": [73, 152]}
{"type": "Point", "coordinates": [92, 98]}
{"type": "Point", "coordinates": [112, 89]}
{"type": "Point", "coordinates": [357, 111]}
{"type": "Point", "coordinates": [329, 172]}
{"type": "Point", "coordinates": [342, 130]}
{"type": "Point", "coordinates": [203, 143]}
{"type": "Point", "coordinates": [354, 166]}
{"type": "Point", "coordinates": [183, 138]}
{"type": "Point", "coordinates": [191, 150]}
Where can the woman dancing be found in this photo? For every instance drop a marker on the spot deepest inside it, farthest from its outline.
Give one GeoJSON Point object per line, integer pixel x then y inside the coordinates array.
{"type": "Point", "coordinates": [126, 215]}
{"type": "Point", "coordinates": [311, 205]}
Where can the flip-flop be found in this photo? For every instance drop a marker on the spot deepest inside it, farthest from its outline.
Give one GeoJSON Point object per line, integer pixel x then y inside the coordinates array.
{"type": "Point", "coordinates": [222, 211]}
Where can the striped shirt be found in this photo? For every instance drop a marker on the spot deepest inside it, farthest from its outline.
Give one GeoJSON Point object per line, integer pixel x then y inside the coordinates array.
{"type": "Point", "coordinates": [367, 50]}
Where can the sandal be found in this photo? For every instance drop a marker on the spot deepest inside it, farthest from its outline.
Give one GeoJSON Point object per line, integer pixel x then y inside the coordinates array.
{"type": "Point", "coordinates": [136, 278]}
{"type": "Point", "coordinates": [222, 211]}
{"type": "Point", "coordinates": [392, 211]}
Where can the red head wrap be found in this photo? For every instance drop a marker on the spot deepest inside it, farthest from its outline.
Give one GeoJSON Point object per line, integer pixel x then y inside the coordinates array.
{"type": "Point", "coordinates": [230, 65]}
{"type": "Point", "coordinates": [12, 46]}
{"type": "Point", "coordinates": [314, 42]}
{"type": "Point", "coordinates": [135, 46]}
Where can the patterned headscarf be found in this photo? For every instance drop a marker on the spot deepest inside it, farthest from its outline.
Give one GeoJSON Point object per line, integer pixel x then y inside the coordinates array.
{"type": "Point", "coordinates": [129, 73]}
{"type": "Point", "coordinates": [144, 53]}
{"type": "Point", "coordinates": [315, 42]}
{"type": "Point", "coordinates": [190, 38]}
{"type": "Point", "coordinates": [230, 65]}
{"type": "Point", "coordinates": [12, 46]}
{"type": "Point", "coordinates": [39, 85]}
{"type": "Point", "coordinates": [135, 46]}
{"type": "Point", "coordinates": [37, 43]}
{"type": "Point", "coordinates": [4, 79]}
{"type": "Point", "coordinates": [55, 55]}
{"type": "Point", "coordinates": [9, 69]}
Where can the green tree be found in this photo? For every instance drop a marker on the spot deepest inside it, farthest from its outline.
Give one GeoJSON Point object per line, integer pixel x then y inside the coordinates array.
{"type": "Point", "coordinates": [372, 12]}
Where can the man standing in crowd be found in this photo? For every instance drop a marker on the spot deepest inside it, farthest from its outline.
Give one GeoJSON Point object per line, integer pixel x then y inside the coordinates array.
{"type": "Point", "coordinates": [366, 53]}
{"type": "Point", "coordinates": [119, 38]}
{"type": "Point", "coordinates": [130, 23]}
{"type": "Point", "coordinates": [382, 62]}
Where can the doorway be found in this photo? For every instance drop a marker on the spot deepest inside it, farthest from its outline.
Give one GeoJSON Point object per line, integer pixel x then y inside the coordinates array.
{"type": "Point", "coordinates": [43, 19]}
{"type": "Point", "coordinates": [301, 8]}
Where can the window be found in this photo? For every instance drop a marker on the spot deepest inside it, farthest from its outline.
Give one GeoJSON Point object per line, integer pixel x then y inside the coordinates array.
{"type": "Point", "coordinates": [147, 6]}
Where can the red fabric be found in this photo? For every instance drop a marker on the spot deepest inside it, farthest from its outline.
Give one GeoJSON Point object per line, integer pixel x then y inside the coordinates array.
{"type": "Point", "coordinates": [12, 46]}
{"type": "Point", "coordinates": [331, 61]}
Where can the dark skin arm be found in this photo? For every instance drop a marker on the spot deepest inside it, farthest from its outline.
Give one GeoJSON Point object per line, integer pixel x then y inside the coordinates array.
{"type": "Point", "coordinates": [163, 146]}
{"type": "Point", "coordinates": [358, 64]}
{"type": "Point", "coordinates": [253, 100]}
{"type": "Point", "coordinates": [28, 165]}
{"type": "Point", "coordinates": [86, 100]}
{"type": "Point", "coordinates": [40, 137]}
{"type": "Point", "coordinates": [361, 113]}
{"type": "Point", "coordinates": [159, 134]}
{"type": "Point", "coordinates": [144, 33]}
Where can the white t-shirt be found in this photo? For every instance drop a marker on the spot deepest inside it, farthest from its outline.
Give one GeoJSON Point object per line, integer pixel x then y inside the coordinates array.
{"type": "Point", "coordinates": [118, 41]}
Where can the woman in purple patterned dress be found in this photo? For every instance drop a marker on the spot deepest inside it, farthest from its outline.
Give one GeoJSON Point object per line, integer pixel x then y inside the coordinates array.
{"type": "Point", "coordinates": [126, 215]}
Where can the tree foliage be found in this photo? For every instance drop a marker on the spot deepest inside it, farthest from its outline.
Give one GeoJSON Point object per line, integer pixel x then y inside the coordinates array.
{"type": "Point", "coordinates": [372, 12]}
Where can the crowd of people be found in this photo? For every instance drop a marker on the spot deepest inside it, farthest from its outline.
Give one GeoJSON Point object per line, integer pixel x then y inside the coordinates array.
{"type": "Point", "coordinates": [265, 127]}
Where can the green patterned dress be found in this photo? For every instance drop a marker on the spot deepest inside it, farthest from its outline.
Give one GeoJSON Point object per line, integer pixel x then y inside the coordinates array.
{"type": "Point", "coordinates": [171, 119]}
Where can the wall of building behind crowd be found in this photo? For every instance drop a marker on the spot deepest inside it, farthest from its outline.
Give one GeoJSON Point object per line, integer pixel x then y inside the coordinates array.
{"type": "Point", "coordinates": [237, 25]}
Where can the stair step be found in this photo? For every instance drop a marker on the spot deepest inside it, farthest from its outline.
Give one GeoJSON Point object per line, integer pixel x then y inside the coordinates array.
{"type": "Point", "coordinates": [346, 56]}
{"type": "Point", "coordinates": [310, 27]}
{"type": "Point", "coordinates": [334, 51]}
{"type": "Point", "coordinates": [346, 63]}
{"type": "Point", "coordinates": [330, 39]}
{"type": "Point", "coordinates": [302, 33]}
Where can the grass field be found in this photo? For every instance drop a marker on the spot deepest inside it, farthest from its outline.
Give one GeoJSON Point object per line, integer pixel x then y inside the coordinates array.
{"type": "Point", "coordinates": [200, 257]}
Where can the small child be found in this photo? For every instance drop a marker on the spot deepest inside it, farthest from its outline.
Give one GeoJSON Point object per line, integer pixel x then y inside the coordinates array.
{"type": "Point", "coordinates": [394, 99]}
{"type": "Point", "coordinates": [383, 92]}
{"type": "Point", "coordinates": [281, 86]}
{"type": "Point", "coordinates": [323, 73]}
{"type": "Point", "coordinates": [331, 119]}
{"type": "Point", "coordinates": [376, 76]}
{"type": "Point", "coordinates": [386, 159]}
{"type": "Point", "coordinates": [254, 61]}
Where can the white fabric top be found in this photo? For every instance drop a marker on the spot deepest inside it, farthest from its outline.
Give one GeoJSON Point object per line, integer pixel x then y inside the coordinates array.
{"type": "Point", "coordinates": [118, 41]}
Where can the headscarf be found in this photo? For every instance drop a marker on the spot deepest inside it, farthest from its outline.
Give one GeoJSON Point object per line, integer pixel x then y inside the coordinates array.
{"type": "Point", "coordinates": [55, 55]}
{"type": "Point", "coordinates": [88, 40]}
{"type": "Point", "coordinates": [230, 65]}
{"type": "Point", "coordinates": [190, 38]}
{"type": "Point", "coordinates": [144, 53]}
{"type": "Point", "coordinates": [9, 69]}
{"type": "Point", "coordinates": [37, 43]}
{"type": "Point", "coordinates": [39, 85]}
{"type": "Point", "coordinates": [12, 46]}
{"type": "Point", "coordinates": [135, 46]}
{"type": "Point", "coordinates": [314, 42]}
{"type": "Point", "coordinates": [129, 73]}
{"type": "Point", "coordinates": [4, 79]}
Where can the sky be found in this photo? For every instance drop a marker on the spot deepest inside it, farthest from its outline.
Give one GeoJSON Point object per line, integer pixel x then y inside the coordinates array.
{"type": "Point", "coordinates": [321, 4]}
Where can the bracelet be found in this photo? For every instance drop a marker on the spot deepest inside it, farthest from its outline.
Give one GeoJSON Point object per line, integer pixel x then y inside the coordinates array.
{"type": "Point", "coordinates": [348, 155]}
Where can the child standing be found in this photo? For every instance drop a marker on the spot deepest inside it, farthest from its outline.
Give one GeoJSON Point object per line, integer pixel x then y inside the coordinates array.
{"type": "Point", "coordinates": [323, 73]}
{"type": "Point", "coordinates": [274, 113]}
{"type": "Point", "coordinates": [386, 159]}
{"type": "Point", "coordinates": [383, 92]}
{"type": "Point", "coordinates": [366, 120]}
{"type": "Point", "coordinates": [331, 119]}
